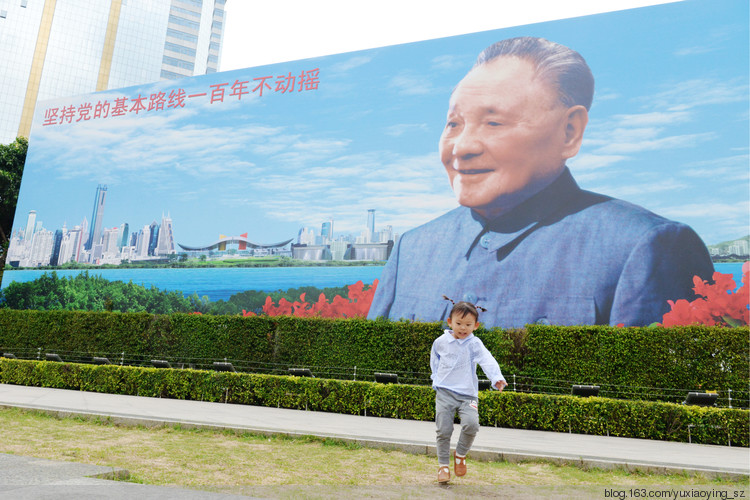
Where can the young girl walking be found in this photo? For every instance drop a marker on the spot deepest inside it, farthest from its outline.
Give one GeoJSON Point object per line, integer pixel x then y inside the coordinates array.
{"type": "Point", "coordinates": [453, 361]}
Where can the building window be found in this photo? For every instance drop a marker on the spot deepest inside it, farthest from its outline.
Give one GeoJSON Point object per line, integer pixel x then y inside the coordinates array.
{"type": "Point", "coordinates": [3, 14]}
{"type": "Point", "coordinates": [187, 12]}
{"type": "Point", "coordinates": [180, 49]}
{"type": "Point", "coordinates": [178, 63]}
{"type": "Point", "coordinates": [197, 3]}
{"type": "Point", "coordinates": [170, 75]}
{"type": "Point", "coordinates": [23, 3]}
{"type": "Point", "coordinates": [182, 36]}
{"type": "Point", "coordinates": [184, 22]}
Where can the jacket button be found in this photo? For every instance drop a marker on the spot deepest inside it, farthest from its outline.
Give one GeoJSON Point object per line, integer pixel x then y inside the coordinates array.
{"type": "Point", "coordinates": [484, 241]}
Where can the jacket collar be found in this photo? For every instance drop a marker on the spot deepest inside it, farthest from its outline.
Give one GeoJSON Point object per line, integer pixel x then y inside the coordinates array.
{"type": "Point", "coordinates": [496, 233]}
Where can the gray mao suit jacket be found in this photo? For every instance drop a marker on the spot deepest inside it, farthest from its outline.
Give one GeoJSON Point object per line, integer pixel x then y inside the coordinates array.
{"type": "Point", "coordinates": [565, 256]}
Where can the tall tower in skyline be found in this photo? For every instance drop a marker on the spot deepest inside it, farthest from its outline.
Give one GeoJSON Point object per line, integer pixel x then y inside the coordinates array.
{"type": "Point", "coordinates": [58, 48]}
{"type": "Point", "coordinates": [326, 230]}
{"type": "Point", "coordinates": [371, 223]}
{"type": "Point", "coordinates": [30, 225]}
{"type": "Point", "coordinates": [153, 237]}
{"type": "Point", "coordinates": [165, 242]}
{"type": "Point", "coordinates": [123, 235]}
{"type": "Point", "coordinates": [96, 217]}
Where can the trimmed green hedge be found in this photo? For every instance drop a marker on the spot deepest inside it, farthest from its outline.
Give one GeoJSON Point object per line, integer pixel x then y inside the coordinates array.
{"type": "Point", "coordinates": [630, 363]}
{"type": "Point", "coordinates": [639, 419]}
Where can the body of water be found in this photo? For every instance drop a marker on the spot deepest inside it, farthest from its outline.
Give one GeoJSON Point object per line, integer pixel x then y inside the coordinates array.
{"type": "Point", "coordinates": [221, 283]}
{"type": "Point", "coordinates": [733, 268]}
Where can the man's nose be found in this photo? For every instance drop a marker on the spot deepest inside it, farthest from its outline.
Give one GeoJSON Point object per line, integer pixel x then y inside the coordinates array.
{"type": "Point", "coordinates": [466, 145]}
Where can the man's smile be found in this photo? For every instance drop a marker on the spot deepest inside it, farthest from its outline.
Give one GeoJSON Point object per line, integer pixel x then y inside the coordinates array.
{"type": "Point", "coordinates": [473, 171]}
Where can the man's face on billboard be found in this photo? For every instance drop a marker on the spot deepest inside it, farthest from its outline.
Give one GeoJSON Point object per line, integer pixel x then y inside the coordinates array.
{"type": "Point", "coordinates": [506, 136]}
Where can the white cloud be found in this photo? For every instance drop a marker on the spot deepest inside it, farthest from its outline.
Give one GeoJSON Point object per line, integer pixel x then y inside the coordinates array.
{"type": "Point", "coordinates": [336, 172]}
{"type": "Point", "coordinates": [606, 96]}
{"type": "Point", "coordinates": [708, 43]}
{"type": "Point", "coordinates": [321, 146]}
{"type": "Point", "coordinates": [627, 143]}
{"type": "Point", "coordinates": [690, 94]}
{"type": "Point", "coordinates": [589, 161]}
{"type": "Point", "coordinates": [408, 83]}
{"type": "Point", "coordinates": [713, 211]}
{"type": "Point", "coordinates": [730, 168]}
{"type": "Point", "coordinates": [449, 62]}
{"type": "Point", "coordinates": [652, 119]}
{"type": "Point", "coordinates": [405, 190]}
{"type": "Point", "coordinates": [351, 63]}
{"type": "Point", "coordinates": [403, 128]}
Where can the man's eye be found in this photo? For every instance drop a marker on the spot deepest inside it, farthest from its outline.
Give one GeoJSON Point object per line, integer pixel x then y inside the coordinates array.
{"type": "Point", "coordinates": [495, 124]}
{"type": "Point", "coordinates": [451, 125]}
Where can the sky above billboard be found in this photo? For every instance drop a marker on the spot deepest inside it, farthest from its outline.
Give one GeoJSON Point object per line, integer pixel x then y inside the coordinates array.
{"type": "Point", "coordinates": [359, 131]}
{"type": "Point", "coordinates": [259, 33]}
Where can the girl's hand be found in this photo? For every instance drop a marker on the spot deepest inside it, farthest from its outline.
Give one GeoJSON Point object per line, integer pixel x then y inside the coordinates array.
{"type": "Point", "coordinates": [500, 385]}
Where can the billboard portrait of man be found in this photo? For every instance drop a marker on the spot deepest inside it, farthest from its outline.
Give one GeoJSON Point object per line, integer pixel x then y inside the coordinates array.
{"type": "Point", "coordinates": [230, 186]}
{"type": "Point", "coordinates": [526, 242]}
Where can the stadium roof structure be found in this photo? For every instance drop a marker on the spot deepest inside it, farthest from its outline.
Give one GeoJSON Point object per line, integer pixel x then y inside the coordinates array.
{"type": "Point", "coordinates": [231, 240]}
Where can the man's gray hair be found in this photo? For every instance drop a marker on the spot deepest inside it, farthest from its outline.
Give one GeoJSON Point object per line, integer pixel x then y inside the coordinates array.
{"type": "Point", "coordinates": [560, 66]}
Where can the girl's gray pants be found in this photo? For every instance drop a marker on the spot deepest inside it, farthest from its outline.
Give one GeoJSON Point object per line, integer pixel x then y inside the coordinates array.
{"type": "Point", "coordinates": [446, 405]}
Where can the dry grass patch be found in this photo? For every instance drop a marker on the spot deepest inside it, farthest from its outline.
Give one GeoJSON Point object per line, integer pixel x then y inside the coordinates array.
{"type": "Point", "coordinates": [284, 467]}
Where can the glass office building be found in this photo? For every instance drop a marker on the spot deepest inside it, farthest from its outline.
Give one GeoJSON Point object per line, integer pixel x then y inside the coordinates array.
{"type": "Point", "coordinates": [56, 48]}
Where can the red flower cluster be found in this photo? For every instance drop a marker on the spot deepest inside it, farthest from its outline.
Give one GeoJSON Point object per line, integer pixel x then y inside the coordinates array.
{"type": "Point", "coordinates": [356, 306]}
{"type": "Point", "coordinates": [718, 304]}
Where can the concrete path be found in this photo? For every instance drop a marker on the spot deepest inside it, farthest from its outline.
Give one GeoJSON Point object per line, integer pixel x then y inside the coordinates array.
{"type": "Point", "coordinates": [416, 437]}
{"type": "Point", "coordinates": [25, 478]}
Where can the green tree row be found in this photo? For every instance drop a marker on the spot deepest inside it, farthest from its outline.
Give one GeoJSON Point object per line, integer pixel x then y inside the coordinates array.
{"type": "Point", "coordinates": [12, 160]}
{"type": "Point", "coordinates": [86, 292]}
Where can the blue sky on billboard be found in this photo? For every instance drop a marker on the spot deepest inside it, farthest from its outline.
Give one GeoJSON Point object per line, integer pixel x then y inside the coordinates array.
{"type": "Point", "coordinates": [668, 130]}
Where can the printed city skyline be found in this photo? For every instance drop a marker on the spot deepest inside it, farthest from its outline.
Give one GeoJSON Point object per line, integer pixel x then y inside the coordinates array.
{"type": "Point", "coordinates": [332, 137]}
{"type": "Point", "coordinates": [85, 241]}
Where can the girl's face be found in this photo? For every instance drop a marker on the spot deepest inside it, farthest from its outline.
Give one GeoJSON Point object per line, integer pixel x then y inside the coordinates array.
{"type": "Point", "coordinates": [462, 326]}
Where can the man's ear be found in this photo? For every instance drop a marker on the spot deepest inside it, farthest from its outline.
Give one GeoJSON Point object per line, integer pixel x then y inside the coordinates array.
{"type": "Point", "coordinates": [577, 117]}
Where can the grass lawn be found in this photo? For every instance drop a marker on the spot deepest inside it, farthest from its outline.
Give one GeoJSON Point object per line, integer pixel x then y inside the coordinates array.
{"type": "Point", "coordinates": [281, 467]}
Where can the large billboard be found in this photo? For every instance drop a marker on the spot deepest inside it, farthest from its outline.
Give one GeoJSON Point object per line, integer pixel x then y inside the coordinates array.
{"type": "Point", "coordinates": [313, 173]}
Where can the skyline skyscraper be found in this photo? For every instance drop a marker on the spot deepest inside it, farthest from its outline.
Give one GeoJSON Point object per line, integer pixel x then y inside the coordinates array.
{"type": "Point", "coordinates": [123, 235]}
{"type": "Point", "coordinates": [326, 230]}
{"type": "Point", "coordinates": [96, 217]}
{"type": "Point", "coordinates": [153, 237]}
{"type": "Point", "coordinates": [30, 225]}
{"type": "Point", "coordinates": [57, 243]}
{"type": "Point", "coordinates": [371, 223]}
{"type": "Point", "coordinates": [165, 242]}
{"type": "Point", "coordinates": [58, 48]}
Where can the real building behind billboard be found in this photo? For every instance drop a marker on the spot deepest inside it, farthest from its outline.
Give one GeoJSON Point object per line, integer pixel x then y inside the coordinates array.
{"type": "Point", "coordinates": [56, 48]}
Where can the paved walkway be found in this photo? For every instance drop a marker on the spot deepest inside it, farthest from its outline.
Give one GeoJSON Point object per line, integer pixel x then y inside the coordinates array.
{"type": "Point", "coordinates": [416, 437]}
